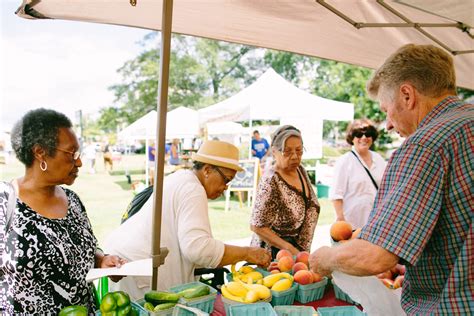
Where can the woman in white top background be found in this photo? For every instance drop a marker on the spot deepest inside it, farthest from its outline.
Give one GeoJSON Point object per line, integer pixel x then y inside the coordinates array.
{"type": "Point", "coordinates": [357, 175]}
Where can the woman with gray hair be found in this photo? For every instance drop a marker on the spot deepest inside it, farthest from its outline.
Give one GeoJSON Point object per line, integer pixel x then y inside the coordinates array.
{"type": "Point", "coordinates": [47, 245]}
{"type": "Point", "coordinates": [286, 208]}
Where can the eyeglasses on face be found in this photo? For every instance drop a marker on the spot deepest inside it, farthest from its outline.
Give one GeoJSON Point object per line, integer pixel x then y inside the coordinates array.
{"type": "Point", "coordinates": [75, 154]}
{"type": "Point", "coordinates": [359, 134]}
{"type": "Point", "coordinates": [290, 153]}
{"type": "Point", "coordinates": [224, 177]}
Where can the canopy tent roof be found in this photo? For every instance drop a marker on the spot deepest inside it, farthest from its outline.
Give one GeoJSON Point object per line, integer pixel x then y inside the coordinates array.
{"type": "Point", "coordinates": [182, 123]}
{"type": "Point", "coordinates": [225, 128]}
{"type": "Point", "coordinates": [271, 97]}
{"type": "Point", "coordinates": [363, 33]}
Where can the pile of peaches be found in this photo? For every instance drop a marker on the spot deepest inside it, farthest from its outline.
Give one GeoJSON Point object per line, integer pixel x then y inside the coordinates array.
{"type": "Point", "coordinates": [297, 265]}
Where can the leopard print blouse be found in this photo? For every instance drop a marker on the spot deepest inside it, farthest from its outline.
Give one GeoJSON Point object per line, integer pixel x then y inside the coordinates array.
{"type": "Point", "coordinates": [44, 261]}
{"type": "Point", "coordinates": [281, 207]}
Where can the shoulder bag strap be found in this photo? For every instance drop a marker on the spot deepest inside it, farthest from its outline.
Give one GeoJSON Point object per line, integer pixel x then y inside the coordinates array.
{"type": "Point", "coordinates": [367, 170]}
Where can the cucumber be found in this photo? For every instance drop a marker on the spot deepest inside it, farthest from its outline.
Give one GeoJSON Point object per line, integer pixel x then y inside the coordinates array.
{"type": "Point", "coordinates": [163, 306]}
{"type": "Point", "coordinates": [156, 297]}
{"type": "Point", "coordinates": [149, 306]}
{"type": "Point", "coordinates": [198, 291]}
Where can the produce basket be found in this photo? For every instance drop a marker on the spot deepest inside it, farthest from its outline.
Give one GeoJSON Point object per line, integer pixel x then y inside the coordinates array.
{"type": "Point", "coordinates": [340, 311]}
{"type": "Point", "coordinates": [167, 312]}
{"type": "Point", "coordinates": [294, 310]}
{"type": "Point", "coordinates": [228, 303]}
{"type": "Point", "coordinates": [251, 310]}
{"type": "Point", "coordinates": [204, 303]}
{"type": "Point", "coordinates": [136, 308]}
{"type": "Point", "coordinates": [341, 295]}
{"type": "Point", "coordinates": [181, 310]}
{"type": "Point", "coordinates": [284, 297]}
{"type": "Point", "coordinates": [311, 292]}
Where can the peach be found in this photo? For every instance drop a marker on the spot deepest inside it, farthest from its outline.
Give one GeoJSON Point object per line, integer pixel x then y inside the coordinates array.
{"type": "Point", "coordinates": [303, 277]}
{"type": "Point", "coordinates": [299, 266]}
{"type": "Point", "coordinates": [273, 266]}
{"type": "Point", "coordinates": [356, 233]}
{"type": "Point", "coordinates": [283, 253]}
{"type": "Point", "coordinates": [285, 264]}
{"type": "Point", "coordinates": [275, 271]}
{"type": "Point", "coordinates": [341, 230]}
{"type": "Point", "coordinates": [316, 277]}
{"type": "Point", "coordinates": [303, 256]}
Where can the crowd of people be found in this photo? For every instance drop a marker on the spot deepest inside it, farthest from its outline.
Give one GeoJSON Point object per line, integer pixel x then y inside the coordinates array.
{"type": "Point", "coordinates": [417, 209]}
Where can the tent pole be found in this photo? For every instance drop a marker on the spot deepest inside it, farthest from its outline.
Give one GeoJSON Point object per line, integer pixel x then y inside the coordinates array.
{"type": "Point", "coordinates": [159, 254]}
{"type": "Point", "coordinates": [147, 153]}
{"type": "Point", "coordinates": [250, 143]}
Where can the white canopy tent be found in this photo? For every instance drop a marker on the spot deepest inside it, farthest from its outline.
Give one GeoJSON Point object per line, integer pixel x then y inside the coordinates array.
{"type": "Point", "coordinates": [357, 32]}
{"type": "Point", "coordinates": [271, 97]}
{"type": "Point", "coordinates": [182, 123]}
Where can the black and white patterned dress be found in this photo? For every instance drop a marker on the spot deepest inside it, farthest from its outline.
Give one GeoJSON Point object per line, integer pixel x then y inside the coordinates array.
{"type": "Point", "coordinates": [45, 261]}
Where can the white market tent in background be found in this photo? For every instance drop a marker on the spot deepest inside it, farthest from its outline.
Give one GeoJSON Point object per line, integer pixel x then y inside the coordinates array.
{"type": "Point", "coordinates": [182, 123]}
{"type": "Point", "coordinates": [271, 97]}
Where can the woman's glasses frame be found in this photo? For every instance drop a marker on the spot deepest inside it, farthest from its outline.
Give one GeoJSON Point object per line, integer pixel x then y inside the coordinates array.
{"type": "Point", "coordinates": [75, 154]}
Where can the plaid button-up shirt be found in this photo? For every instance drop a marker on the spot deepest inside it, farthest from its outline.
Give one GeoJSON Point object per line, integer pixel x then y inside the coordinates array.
{"type": "Point", "coordinates": [424, 209]}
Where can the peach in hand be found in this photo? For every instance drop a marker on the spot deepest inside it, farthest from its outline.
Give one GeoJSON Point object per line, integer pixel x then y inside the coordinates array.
{"type": "Point", "coordinates": [341, 230]}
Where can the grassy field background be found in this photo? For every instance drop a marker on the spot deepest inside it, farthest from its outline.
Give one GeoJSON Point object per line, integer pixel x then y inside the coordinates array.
{"type": "Point", "coordinates": [106, 197]}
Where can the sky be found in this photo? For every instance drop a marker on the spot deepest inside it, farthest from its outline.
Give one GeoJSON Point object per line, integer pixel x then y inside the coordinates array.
{"type": "Point", "coordinates": [64, 65]}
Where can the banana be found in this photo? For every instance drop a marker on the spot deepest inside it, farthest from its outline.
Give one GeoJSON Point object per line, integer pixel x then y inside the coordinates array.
{"type": "Point", "coordinates": [271, 279]}
{"type": "Point", "coordinates": [229, 296]}
{"type": "Point", "coordinates": [237, 289]}
{"type": "Point", "coordinates": [262, 291]}
{"type": "Point", "coordinates": [282, 285]}
{"type": "Point", "coordinates": [246, 269]}
{"type": "Point", "coordinates": [251, 297]}
{"type": "Point", "coordinates": [254, 275]}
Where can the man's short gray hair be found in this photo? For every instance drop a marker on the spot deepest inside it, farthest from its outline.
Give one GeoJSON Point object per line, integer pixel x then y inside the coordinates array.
{"type": "Point", "coordinates": [428, 68]}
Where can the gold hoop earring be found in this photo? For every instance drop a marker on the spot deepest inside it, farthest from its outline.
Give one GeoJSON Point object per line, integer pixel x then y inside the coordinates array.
{"type": "Point", "coordinates": [43, 165]}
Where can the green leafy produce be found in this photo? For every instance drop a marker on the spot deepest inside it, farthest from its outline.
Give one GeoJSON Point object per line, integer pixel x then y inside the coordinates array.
{"type": "Point", "coordinates": [73, 310]}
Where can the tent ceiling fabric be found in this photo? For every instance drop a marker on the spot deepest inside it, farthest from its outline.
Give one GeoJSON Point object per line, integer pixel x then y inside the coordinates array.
{"type": "Point", "coordinates": [299, 26]}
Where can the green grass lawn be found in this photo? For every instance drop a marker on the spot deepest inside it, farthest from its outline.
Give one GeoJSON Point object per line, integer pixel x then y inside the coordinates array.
{"type": "Point", "coordinates": [107, 196]}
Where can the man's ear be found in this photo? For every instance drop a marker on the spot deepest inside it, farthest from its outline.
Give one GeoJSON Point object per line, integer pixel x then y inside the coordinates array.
{"type": "Point", "coordinates": [408, 95]}
{"type": "Point", "coordinates": [39, 152]}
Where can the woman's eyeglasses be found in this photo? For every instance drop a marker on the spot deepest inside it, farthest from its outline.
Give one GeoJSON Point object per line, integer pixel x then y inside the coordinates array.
{"type": "Point", "coordinates": [359, 134]}
{"type": "Point", "coordinates": [290, 153]}
{"type": "Point", "coordinates": [224, 177]}
{"type": "Point", "coordinates": [75, 154]}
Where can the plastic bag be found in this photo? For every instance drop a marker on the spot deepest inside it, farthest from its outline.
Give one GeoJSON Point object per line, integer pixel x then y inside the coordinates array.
{"type": "Point", "coordinates": [374, 297]}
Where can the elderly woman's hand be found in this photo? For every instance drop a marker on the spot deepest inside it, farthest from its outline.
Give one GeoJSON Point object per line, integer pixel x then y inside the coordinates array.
{"type": "Point", "coordinates": [110, 261]}
{"type": "Point", "coordinates": [259, 256]}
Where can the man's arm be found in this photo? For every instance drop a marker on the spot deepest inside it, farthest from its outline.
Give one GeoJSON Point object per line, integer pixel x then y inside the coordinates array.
{"type": "Point", "coordinates": [356, 257]}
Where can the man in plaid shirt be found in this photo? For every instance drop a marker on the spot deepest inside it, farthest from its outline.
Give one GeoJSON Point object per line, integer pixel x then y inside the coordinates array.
{"type": "Point", "coordinates": [422, 216]}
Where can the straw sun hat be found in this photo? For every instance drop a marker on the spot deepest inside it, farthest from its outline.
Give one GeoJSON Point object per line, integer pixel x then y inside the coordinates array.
{"type": "Point", "coordinates": [220, 154]}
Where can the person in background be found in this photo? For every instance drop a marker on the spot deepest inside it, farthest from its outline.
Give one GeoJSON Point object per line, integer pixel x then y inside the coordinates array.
{"type": "Point", "coordinates": [260, 146]}
{"type": "Point", "coordinates": [89, 155]}
{"type": "Point", "coordinates": [108, 157]}
{"type": "Point", "coordinates": [357, 175]}
{"type": "Point", "coordinates": [174, 153]}
{"type": "Point", "coordinates": [185, 228]}
{"type": "Point", "coordinates": [422, 216]}
{"type": "Point", "coordinates": [48, 245]}
{"type": "Point", "coordinates": [286, 208]}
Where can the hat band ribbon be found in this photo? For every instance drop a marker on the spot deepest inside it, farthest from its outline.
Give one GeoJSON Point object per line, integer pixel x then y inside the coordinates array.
{"type": "Point", "coordinates": [221, 159]}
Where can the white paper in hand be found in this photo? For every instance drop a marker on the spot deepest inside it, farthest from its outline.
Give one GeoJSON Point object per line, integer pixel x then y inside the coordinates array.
{"type": "Point", "coordinates": [137, 268]}
{"type": "Point", "coordinates": [370, 292]}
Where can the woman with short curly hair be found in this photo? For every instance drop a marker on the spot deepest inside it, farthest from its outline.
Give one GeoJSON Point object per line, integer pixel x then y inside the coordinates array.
{"type": "Point", "coordinates": [48, 245]}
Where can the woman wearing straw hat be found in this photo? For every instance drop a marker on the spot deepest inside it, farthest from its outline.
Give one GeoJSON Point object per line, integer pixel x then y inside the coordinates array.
{"type": "Point", "coordinates": [286, 208]}
{"type": "Point", "coordinates": [185, 229]}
